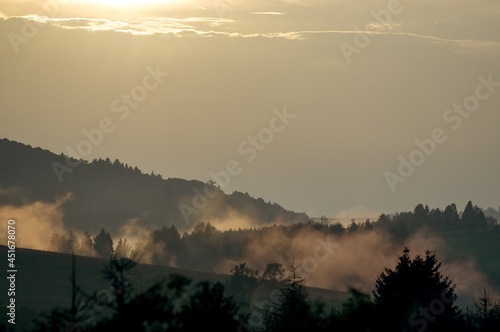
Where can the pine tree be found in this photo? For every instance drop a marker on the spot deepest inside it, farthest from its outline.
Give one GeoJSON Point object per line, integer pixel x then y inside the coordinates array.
{"type": "Point", "coordinates": [473, 217]}
{"type": "Point", "coordinates": [103, 244]}
{"type": "Point", "coordinates": [294, 311]}
{"type": "Point", "coordinates": [486, 312]}
{"type": "Point", "coordinates": [122, 249]}
{"type": "Point", "coordinates": [415, 295]}
{"type": "Point", "coordinates": [451, 217]}
{"type": "Point", "coordinates": [86, 245]}
{"type": "Point", "coordinates": [121, 282]}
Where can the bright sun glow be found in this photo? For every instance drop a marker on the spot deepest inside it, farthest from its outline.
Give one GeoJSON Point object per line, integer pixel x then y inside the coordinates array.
{"type": "Point", "coordinates": [125, 2]}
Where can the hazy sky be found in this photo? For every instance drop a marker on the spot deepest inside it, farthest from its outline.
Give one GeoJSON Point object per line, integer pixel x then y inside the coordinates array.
{"type": "Point", "coordinates": [355, 101]}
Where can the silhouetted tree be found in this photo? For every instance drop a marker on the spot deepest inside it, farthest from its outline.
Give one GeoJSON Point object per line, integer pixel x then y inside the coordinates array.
{"type": "Point", "coordinates": [491, 222]}
{"type": "Point", "coordinates": [119, 279]}
{"type": "Point", "coordinates": [416, 296]}
{"type": "Point", "coordinates": [209, 309]}
{"type": "Point", "coordinates": [486, 313]}
{"type": "Point", "coordinates": [242, 283]}
{"type": "Point", "coordinates": [156, 309]}
{"type": "Point", "coordinates": [420, 216]}
{"type": "Point", "coordinates": [337, 228]}
{"type": "Point", "coordinates": [451, 217]}
{"type": "Point", "coordinates": [274, 272]}
{"type": "Point", "coordinates": [358, 314]}
{"type": "Point", "coordinates": [368, 225]}
{"type": "Point", "coordinates": [473, 217]}
{"type": "Point", "coordinates": [294, 312]}
{"type": "Point", "coordinates": [86, 247]}
{"type": "Point", "coordinates": [436, 218]}
{"type": "Point", "coordinates": [56, 320]}
{"type": "Point", "coordinates": [384, 220]}
{"type": "Point", "coordinates": [353, 227]}
{"type": "Point", "coordinates": [122, 249]}
{"type": "Point", "coordinates": [103, 244]}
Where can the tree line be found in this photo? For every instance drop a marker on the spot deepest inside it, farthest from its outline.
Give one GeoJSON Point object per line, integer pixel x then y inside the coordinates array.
{"type": "Point", "coordinates": [412, 296]}
{"type": "Point", "coordinates": [205, 247]}
{"type": "Point", "coordinates": [118, 192]}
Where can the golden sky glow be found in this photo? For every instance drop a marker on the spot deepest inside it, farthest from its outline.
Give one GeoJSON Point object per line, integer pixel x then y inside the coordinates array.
{"type": "Point", "coordinates": [125, 2]}
{"type": "Point", "coordinates": [230, 66]}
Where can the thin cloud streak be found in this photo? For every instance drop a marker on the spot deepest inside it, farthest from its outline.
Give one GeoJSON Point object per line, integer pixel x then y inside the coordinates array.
{"type": "Point", "coordinates": [268, 13]}
{"type": "Point", "coordinates": [176, 26]}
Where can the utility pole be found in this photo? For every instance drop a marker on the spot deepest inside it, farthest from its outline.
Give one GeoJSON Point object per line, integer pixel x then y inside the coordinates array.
{"type": "Point", "coordinates": [73, 287]}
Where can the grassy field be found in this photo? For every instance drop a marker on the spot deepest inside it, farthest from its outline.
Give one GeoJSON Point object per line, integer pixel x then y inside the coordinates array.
{"type": "Point", "coordinates": [43, 281]}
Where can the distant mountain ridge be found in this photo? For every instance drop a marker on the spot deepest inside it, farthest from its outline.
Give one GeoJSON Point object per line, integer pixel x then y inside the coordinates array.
{"type": "Point", "coordinates": [109, 194]}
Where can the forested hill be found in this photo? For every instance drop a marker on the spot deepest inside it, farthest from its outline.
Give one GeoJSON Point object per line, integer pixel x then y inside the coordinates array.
{"type": "Point", "coordinates": [109, 193]}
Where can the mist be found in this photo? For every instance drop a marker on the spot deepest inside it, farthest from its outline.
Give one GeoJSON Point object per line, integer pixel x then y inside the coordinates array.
{"type": "Point", "coordinates": [35, 222]}
{"type": "Point", "coordinates": [353, 259]}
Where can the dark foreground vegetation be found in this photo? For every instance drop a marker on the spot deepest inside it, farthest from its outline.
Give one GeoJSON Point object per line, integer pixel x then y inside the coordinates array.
{"type": "Point", "coordinates": [414, 296]}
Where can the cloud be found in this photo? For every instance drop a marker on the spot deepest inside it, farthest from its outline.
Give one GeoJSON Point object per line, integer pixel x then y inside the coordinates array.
{"type": "Point", "coordinates": [268, 13]}
{"type": "Point", "coordinates": [143, 26]}
{"type": "Point", "coordinates": [198, 26]}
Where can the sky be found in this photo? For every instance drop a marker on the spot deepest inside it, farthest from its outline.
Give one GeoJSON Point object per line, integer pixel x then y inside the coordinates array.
{"type": "Point", "coordinates": [338, 108]}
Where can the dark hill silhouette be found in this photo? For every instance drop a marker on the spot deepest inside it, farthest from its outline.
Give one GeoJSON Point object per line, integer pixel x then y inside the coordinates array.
{"type": "Point", "coordinates": [108, 194]}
